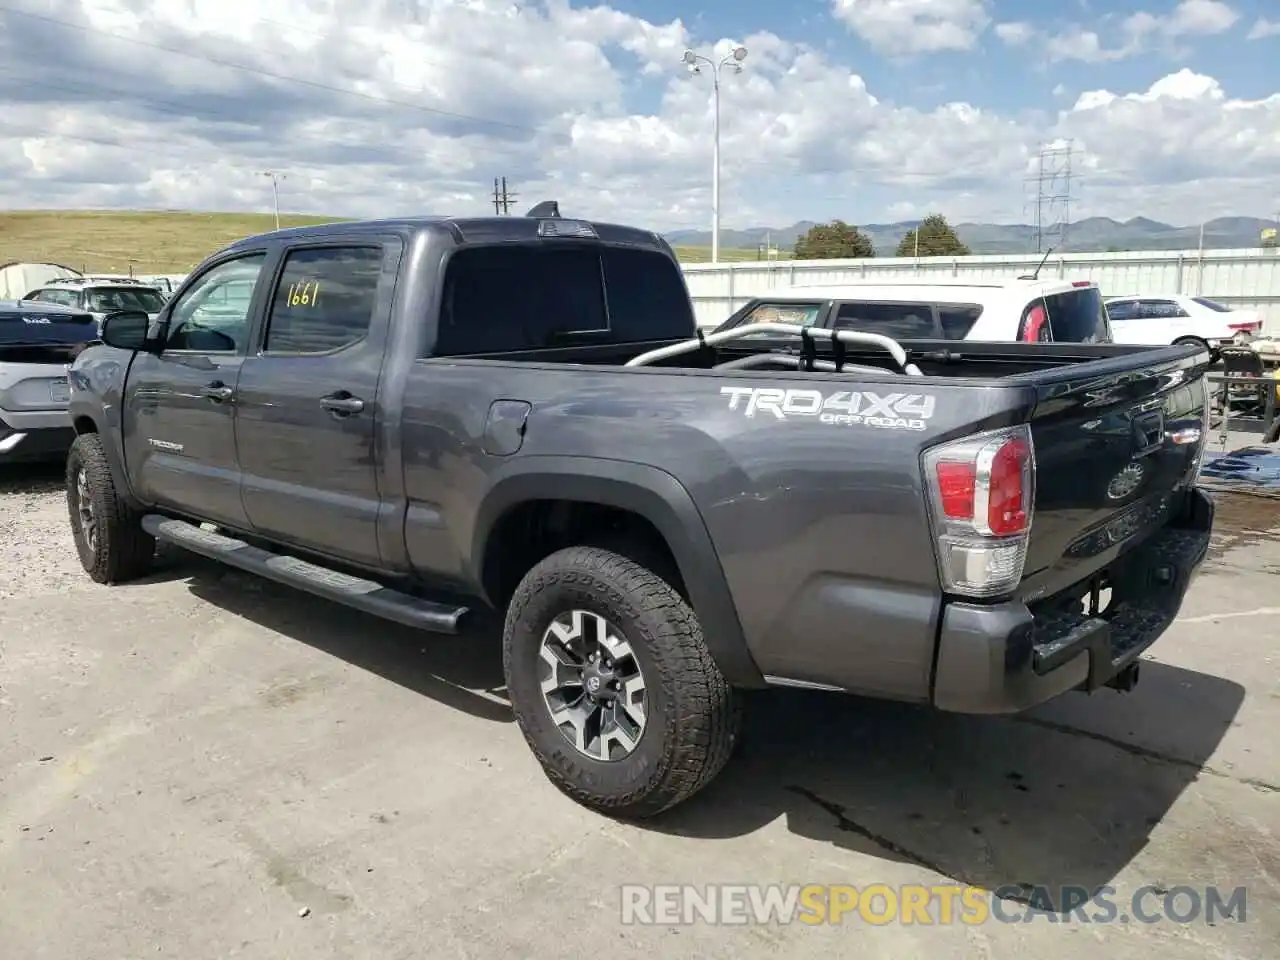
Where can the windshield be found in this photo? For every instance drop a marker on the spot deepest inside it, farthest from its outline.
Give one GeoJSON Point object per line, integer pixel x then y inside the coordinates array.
{"type": "Point", "coordinates": [109, 299]}
{"type": "Point", "coordinates": [1211, 304]}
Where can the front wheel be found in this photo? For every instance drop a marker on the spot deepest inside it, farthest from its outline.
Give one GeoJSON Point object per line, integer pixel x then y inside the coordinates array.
{"type": "Point", "coordinates": [612, 684]}
{"type": "Point", "coordinates": [109, 537]}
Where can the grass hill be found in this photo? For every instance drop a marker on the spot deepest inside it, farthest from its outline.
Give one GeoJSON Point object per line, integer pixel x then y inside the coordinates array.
{"type": "Point", "coordinates": [116, 241]}
{"type": "Point", "coordinates": [164, 242]}
{"type": "Point", "coordinates": [175, 241]}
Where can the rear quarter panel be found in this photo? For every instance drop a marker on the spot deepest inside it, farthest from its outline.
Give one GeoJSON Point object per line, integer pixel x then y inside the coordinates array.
{"type": "Point", "coordinates": [819, 526]}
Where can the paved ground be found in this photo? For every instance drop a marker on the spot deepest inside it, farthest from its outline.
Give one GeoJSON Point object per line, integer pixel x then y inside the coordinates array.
{"type": "Point", "coordinates": [190, 764]}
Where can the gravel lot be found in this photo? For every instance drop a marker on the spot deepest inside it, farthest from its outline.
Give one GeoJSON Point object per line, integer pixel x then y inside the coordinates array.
{"type": "Point", "coordinates": [204, 765]}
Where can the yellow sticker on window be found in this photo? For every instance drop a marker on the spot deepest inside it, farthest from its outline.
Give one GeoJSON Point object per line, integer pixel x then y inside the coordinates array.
{"type": "Point", "coordinates": [304, 293]}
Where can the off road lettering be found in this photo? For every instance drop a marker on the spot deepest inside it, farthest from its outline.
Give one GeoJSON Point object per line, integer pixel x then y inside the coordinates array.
{"type": "Point", "coordinates": [892, 411]}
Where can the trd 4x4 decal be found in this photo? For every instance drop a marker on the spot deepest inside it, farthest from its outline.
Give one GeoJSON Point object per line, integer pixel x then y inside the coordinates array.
{"type": "Point", "coordinates": [892, 411]}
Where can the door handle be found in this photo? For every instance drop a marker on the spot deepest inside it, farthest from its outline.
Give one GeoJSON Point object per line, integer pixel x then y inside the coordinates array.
{"type": "Point", "coordinates": [218, 391]}
{"type": "Point", "coordinates": [342, 403]}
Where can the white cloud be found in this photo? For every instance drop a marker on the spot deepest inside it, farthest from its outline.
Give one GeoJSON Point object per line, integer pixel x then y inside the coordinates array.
{"type": "Point", "coordinates": [1016, 33]}
{"type": "Point", "coordinates": [587, 106]}
{"type": "Point", "coordinates": [1135, 34]}
{"type": "Point", "coordinates": [899, 27]}
{"type": "Point", "coordinates": [1264, 28]}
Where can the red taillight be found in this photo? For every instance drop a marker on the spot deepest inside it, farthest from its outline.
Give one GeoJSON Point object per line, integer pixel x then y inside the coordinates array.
{"type": "Point", "coordinates": [955, 489]}
{"type": "Point", "coordinates": [1251, 325]}
{"type": "Point", "coordinates": [1082, 283]}
{"type": "Point", "coordinates": [982, 493]}
{"type": "Point", "coordinates": [1034, 325]}
{"type": "Point", "coordinates": [1006, 500]}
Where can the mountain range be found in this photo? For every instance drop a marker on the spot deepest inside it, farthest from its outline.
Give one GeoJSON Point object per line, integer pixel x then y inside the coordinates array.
{"type": "Point", "coordinates": [1093, 234]}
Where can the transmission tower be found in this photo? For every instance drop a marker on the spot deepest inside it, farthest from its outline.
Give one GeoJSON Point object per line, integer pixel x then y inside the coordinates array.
{"type": "Point", "coordinates": [1052, 181]}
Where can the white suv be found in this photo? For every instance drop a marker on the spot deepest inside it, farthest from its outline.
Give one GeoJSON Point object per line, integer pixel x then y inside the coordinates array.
{"type": "Point", "coordinates": [100, 295]}
{"type": "Point", "coordinates": [1069, 311]}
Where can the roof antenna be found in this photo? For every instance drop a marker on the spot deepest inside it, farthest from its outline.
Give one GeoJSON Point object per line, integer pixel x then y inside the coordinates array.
{"type": "Point", "coordinates": [547, 208]}
{"type": "Point", "coordinates": [1036, 275]}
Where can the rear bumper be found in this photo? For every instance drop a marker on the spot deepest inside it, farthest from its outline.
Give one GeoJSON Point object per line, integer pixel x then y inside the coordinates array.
{"type": "Point", "coordinates": [34, 435]}
{"type": "Point", "coordinates": [1005, 658]}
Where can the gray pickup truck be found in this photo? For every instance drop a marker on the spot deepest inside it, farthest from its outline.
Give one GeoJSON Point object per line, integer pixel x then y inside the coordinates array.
{"type": "Point", "coordinates": [437, 419]}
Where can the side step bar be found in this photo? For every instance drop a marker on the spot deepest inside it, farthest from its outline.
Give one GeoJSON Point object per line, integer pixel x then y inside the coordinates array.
{"type": "Point", "coordinates": [342, 588]}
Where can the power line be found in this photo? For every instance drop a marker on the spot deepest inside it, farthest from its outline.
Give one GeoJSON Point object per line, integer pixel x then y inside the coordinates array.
{"type": "Point", "coordinates": [502, 200]}
{"type": "Point", "coordinates": [282, 77]}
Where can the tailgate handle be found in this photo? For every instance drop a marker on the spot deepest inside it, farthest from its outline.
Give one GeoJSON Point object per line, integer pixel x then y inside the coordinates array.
{"type": "Point", "coordinates": [1148, 432]}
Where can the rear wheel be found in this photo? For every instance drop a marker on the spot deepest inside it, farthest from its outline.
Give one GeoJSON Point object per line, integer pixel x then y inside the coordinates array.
{"type": "Point", "coordinates": [612, 685]}
{"type": "Point", "coordinates": [108, 535]}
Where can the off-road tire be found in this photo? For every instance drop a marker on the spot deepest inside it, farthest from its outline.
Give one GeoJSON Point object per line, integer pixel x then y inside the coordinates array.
{"type": "Point", "coordinates": [692, 715]}
{"type": "Point", "coordinates": [123, 551]}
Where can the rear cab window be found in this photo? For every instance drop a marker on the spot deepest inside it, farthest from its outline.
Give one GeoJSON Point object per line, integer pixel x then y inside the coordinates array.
{"type": "Point", "coordinates": [909, 321]}
{"type": "Point", "coordinates": [529, 296]}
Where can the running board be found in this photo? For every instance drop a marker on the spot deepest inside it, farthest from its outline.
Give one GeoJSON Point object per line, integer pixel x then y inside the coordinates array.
{"type": "Point", "coordinates": [342, 588]}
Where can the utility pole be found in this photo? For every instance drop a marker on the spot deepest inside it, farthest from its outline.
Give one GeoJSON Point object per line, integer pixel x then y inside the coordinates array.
{"type": "Point", "coordinates": [276, 177]}
{"type": "Point", "coordinates": [1053, 194]}
{"type": "Point", "coordinates": [502, 199]}
{"type": "Point", "coordinates": [734, 59]}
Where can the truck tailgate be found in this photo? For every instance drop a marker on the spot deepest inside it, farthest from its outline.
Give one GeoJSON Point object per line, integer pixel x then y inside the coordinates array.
{"type": "Point", "coordinates": [1113, 453]}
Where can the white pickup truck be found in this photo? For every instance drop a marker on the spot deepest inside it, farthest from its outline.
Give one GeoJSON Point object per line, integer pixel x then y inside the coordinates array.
{"type": "Point", "coordinates": [1028, 310]}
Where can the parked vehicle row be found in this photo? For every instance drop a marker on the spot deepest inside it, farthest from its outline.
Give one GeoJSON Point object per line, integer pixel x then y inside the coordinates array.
{"type": "Point", "coordinates": [427, 419]}
{"type": "Point", "coordinates": [1028, 310]}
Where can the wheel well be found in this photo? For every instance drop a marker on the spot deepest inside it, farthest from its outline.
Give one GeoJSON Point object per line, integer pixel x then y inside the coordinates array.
{"type": "Point", "coordinates": [84, 425]}
{"type": "Point", "coordinates": [535, 529]}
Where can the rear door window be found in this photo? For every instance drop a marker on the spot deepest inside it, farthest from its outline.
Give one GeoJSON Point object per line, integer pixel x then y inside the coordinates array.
{"type": "Point", "coordinates": [1122, 310]}
{"type": "Point", "coordinates": [902, 321]}
{"type": "Point", "coordinates": [324, 300]}
{"type": "Point", "coordinates": [1077, 316]}
{"type": "Point", "coordinates": [788, 312]}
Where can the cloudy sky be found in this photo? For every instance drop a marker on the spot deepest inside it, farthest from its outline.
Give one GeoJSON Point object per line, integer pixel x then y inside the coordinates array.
{"type": "Point", "coordinates": [869, 110]}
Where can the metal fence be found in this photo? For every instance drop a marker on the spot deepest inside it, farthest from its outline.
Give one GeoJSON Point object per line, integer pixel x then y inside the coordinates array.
{"type": "Point", "coordinates": [1249, 279]}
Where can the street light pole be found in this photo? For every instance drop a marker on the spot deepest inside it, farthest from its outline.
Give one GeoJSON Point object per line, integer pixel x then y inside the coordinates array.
{"type": "Point", "coordinates": [692, 60]}
{"type": "Point", "coordinates": [275, 190]}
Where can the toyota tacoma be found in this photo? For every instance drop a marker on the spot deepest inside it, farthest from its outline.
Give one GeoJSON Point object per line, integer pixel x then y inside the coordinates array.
{"type": "Point", "coordinates": [433, 418]}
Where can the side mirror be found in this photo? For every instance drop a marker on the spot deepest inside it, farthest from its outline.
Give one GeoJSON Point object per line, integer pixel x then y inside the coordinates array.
{"type": "Point", "coordinates": [126, 329]}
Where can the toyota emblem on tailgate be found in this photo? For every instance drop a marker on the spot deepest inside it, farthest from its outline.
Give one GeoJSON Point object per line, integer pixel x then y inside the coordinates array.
{"type": "Point", "coordinates": [1126, 481]}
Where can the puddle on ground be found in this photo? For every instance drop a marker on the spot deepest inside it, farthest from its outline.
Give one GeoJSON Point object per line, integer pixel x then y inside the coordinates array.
{"type": "Point", "coordinates": [1242, 519]}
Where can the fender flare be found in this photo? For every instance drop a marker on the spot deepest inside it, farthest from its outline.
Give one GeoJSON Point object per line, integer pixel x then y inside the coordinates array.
{"type": "Point", "coordinates": [111, 445]}
{"type": "Point", "coordinates": [650, 493]}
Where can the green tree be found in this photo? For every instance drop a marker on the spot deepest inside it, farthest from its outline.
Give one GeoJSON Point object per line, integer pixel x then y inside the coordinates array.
{"type": "Point", "coordinates": [937, 239]}
{"type": "Point", "coordinates": [832, 241]}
